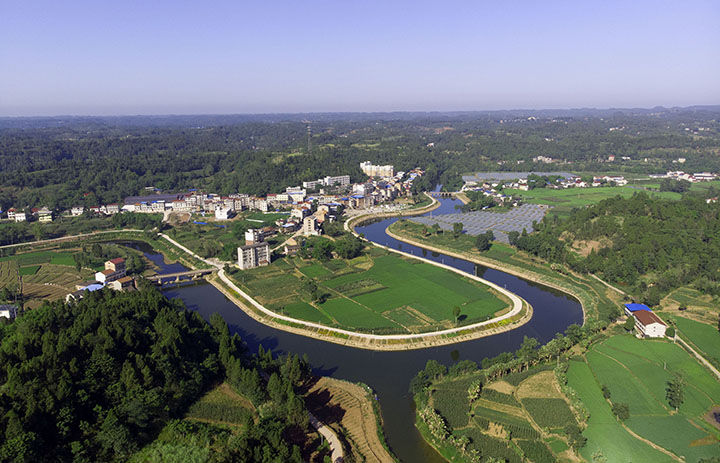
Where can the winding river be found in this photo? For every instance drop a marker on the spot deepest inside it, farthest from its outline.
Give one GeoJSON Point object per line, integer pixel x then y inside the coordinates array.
{"type": "Point", "coordinates": [389, 373]}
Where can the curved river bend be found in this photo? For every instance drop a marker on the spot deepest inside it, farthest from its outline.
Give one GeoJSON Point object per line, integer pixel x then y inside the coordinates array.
{"type": "Point", "coordinates": [389, 373]}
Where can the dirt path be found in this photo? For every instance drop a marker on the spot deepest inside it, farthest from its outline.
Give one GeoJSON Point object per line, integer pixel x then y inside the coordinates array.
{"type": "Point", "coordinates": [350, 406]}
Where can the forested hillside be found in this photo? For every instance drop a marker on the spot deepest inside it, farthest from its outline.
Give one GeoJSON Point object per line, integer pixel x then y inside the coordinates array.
{"type": "Point", "coordinates": [646, 245]}
{"type": "Point", "coordinates": [89, 161]}
{"type": "Point", "coordinates": [98, 380]}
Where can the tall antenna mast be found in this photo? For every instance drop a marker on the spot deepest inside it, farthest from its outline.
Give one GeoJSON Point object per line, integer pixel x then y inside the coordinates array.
{"type": "Point", "coordinates": [309, 136]}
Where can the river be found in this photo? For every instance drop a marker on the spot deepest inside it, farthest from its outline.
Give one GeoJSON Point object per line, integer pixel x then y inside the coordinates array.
{"type": "Point", "coordinates": [389, 373]}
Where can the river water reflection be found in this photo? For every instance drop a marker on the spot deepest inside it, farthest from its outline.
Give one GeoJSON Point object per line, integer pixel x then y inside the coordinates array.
{"type": "Point", "coordinates": [389, 373]}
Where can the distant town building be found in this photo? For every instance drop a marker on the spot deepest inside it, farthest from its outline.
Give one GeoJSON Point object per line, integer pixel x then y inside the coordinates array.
{"type": "Point", "coordinates": [372, 170]}
{"type": "Point", "coordinates": [253, 255]}
{"type": "Point", "coordinates": [45, 215]}
{"type": "Point", "coordinates": [254, 235]}
{"type": "Point", "coordinates": [222, 213]}
{"type": "Point", "coordinates": [310, 227]}
{"type": "Point", "coordinates": [20, 217]}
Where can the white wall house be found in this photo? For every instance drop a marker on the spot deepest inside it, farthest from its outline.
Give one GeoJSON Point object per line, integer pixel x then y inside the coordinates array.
{"type": "Point", "coordinates": [649, 325]}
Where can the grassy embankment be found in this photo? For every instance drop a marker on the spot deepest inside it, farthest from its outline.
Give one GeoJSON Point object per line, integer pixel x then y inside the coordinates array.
{"type": "Point", "coordinates": [376, 292]}
{"type": "Point", "coordinates": [636, 372]}
{"type": "Point", "coordinates": [598, 300]}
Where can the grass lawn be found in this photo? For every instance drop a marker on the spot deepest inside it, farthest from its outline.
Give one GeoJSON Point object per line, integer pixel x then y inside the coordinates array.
{"type": "Point", "coordinates": [636, 372]}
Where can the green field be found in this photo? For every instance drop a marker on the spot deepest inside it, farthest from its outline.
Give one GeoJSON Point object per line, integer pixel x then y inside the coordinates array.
{"type": "Point", "coordinates": [636, 372]}
{"type": "Point", "coordinates": [563, 201]}
{"type": "Point", "coordinates": [374, 292]}
{"type": "Point", "coordinates": [703, 337]}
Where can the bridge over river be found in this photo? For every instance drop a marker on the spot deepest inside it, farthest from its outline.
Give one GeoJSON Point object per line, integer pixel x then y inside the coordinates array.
{"type": "Point", "coordinates": [177, 277]}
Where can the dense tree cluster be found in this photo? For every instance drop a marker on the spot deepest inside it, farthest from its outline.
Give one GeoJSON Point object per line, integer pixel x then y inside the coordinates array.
{"type": "Point", "coordinates": [96, 380]}
{"type": "Point", "coordinates": [648, 245]}
{"type": "Point", "coordinates": [93, 161]}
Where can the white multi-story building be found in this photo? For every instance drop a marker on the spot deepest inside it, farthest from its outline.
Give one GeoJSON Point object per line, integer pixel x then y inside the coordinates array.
{"type": "Point", "coordinates": [649, 325]}
{"type": "Point", "coordinates": [253, 255]}
{"type": "Point", "coordinates": [341, 180]}
{"type": "Point", "coordinates": [77, 210]}
{"type": "Point", "coordinates": [372, 170]}
{"type": "Point", "coordinates": [310, 226]}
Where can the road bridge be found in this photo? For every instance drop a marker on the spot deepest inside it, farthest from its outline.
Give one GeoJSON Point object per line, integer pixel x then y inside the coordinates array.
{"type": "Point", "coordinates": [177, 276]}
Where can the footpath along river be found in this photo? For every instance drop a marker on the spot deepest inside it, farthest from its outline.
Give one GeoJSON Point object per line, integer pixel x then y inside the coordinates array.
{"type": "Point", "coordinates": [389, 373]}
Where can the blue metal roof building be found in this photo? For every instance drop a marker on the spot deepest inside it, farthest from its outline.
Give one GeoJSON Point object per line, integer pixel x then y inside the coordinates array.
{"type": "Point", "coordinates": [631, 308]}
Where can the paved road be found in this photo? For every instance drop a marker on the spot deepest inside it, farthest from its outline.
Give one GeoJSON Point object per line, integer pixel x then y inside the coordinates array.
{"type": "Point", "coordinates": [702, 359]}
{"type": "Point", "coordinates": [330, 436]}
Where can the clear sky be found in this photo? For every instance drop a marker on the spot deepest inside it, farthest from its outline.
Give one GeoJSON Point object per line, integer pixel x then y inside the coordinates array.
{"type": "Point", "coordinates": [184, 57]}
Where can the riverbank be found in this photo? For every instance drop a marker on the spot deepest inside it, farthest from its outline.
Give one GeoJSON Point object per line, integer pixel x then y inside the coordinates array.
{"type": "Point", "coordinates": [596, 299]}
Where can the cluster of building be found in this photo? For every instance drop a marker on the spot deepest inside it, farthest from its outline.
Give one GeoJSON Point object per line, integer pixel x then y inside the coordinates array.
{"type": "Point", "coordinates": [680, 175]}
{"type": "Point", "coordinates": [647, 324]}
{"type": "Point", "coordinates": [43, 215]}
{"type": "Point", "coordinates": [114, 277]}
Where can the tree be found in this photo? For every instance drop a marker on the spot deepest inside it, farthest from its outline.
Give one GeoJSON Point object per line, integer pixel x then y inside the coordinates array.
{"type": "Point", "coordinates": [457, 229]}
{"type": "Point", "coordinates": [349, 247]}
{"type": "Point", "coordinates": [670, 331]}
{"type": "Point", "coordinates": [621, 410]}
{"type": "Point", "coordinates": [482, 242]}
{"type": "Point", "coordinates": [322, 249]}
{"type": "Point", "coordinates": [675, 391]}
{"type": "Point", "coordinates": [629, 324]}
{"type": "Point", "coordinates": [456, 313]}
{"type": "Point", "coordinates": [436, 228]}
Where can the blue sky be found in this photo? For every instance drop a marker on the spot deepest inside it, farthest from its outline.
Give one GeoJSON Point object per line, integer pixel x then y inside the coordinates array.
{"type": "Point", "coordinates": [183, 57]}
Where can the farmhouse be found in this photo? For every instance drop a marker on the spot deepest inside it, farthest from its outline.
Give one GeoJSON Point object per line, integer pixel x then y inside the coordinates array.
{"type": "Point", "coordinates": [114, 270]}
{"type": "Point", "coordinates": [291, 247]}
{"type": "Point", "coordinates": [253, 255]}
{"type": "Point", "coordinates": [649, 325]}
{"type": "Point", "coordinates": [122, 284]}
{"type": "Point", "coordinates": [8, 311]}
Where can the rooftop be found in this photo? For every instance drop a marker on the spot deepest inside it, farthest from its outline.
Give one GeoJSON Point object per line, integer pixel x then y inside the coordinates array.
{"type": "Point", "coordinates": [636, 307]}
{"type": "Point", "coordinates": [647, 318]}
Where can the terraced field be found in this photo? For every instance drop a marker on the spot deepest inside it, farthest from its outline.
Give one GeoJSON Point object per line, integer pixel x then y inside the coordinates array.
{"type": "Point", "coordinates": [349, 407]}
{"type": "Point", "coordinates": [522, 416]}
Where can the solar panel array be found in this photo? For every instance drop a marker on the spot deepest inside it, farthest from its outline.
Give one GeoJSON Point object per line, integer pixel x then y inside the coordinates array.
{"type": "Point", "coordinates": [501, 223]}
